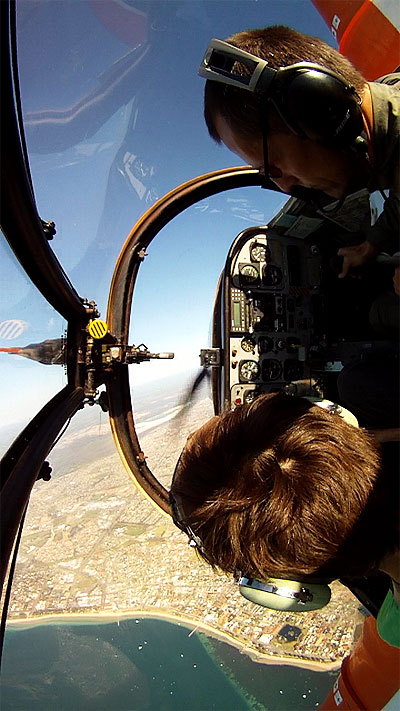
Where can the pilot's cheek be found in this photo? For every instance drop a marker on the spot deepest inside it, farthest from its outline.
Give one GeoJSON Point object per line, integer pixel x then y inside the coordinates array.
{"type": "Point", "coordinates": [285, 183]}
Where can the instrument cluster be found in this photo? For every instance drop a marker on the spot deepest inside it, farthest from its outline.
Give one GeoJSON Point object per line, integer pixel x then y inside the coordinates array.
{"type": "Point", "coordinates": [274, 282]}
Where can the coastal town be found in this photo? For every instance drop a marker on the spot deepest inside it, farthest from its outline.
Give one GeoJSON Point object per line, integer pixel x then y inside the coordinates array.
{"type": "Point", "coordinates": [93, 545]}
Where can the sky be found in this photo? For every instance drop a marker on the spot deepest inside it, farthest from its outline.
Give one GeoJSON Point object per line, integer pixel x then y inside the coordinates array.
{"type": "Point", "coordinates": [112, 109]}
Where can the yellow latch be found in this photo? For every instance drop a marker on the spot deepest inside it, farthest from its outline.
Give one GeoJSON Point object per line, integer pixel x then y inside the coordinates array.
{"type": "Point", "coordinates": [97, 328]}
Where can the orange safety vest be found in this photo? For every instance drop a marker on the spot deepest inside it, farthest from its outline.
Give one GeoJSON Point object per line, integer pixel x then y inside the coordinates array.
{"type": "Point", "coordinates": [369, 677]}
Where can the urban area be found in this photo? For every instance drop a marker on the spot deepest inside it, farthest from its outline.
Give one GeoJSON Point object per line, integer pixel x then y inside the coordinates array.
{"type": "Point", "coordinates": [93, 544]}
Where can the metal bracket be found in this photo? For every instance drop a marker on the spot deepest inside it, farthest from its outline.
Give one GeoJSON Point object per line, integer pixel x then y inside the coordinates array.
{"type": "Point", "coordinates": [49, 229]}
{"type": "Point", "coordinates": [210, 357]}
{"type": "Point", "coordinates": [45, 472]}
{"type": "Point", "coordinates": [100, 353]}
{"type": "Point", "coordinates": [131, 354]}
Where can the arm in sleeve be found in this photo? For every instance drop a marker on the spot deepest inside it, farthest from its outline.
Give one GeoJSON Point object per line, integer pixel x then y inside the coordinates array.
{"type": "Point", "coordinates": [384, 235]}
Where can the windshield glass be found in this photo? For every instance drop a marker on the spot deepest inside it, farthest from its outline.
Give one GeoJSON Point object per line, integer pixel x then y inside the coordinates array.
{"type": "Point", "coordinates": [31, 339]}
{"type": "Point", "coordinates": [112, 109]}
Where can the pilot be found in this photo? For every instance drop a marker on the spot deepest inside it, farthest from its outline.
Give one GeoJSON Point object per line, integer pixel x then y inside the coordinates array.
{"type": "Point", "coordinates": [258, 125]}
{"type": "Point", "coordinates": [285, 488]}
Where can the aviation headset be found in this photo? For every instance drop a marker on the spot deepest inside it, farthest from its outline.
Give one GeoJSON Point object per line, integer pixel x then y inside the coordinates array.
{"type": "Point", "coordinates": [314, 102]}
{"type": "Point", "coordinates": [302, 595]}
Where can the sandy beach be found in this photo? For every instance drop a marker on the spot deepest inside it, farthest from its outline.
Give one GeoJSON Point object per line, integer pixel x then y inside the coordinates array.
{"type": "Point", "coordinates": [84, 618]}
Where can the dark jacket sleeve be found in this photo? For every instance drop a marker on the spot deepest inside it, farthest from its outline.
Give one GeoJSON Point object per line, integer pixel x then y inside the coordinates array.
{"type": "Point", "coordinates": [384, 235]}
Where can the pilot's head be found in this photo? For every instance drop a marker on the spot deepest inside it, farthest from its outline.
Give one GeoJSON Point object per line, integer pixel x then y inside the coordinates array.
{"type": "Point", "coordinates": [283, 488]}
{"type": "Point", "coordinates": [233, 116]}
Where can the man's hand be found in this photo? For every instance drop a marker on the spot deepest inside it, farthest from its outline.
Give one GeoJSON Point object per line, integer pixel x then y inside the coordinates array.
{"type": "Point", "coordinates": [356, 256]}
{"type": "Point", "coordinates": [396, 281]}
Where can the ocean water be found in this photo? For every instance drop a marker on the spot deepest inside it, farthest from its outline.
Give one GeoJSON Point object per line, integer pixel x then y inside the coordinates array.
{"type": "Point", "coordinates": [145, 665]}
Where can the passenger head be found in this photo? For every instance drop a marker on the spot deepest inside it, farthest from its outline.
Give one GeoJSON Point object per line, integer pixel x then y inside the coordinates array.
{"type": "Point", "coordinates": [279, 46]}
{"type": "Point", "coordinates": [282, 488]}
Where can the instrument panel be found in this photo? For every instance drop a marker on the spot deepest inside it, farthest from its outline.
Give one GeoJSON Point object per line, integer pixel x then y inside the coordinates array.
{"type": "Point", "coordinates": [272, 286]}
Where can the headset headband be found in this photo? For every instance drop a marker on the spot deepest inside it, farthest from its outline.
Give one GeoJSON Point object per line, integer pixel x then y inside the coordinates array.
{"type": "Point", "coordinates": [218, 62]}
{"type": "Point", "coordinates": [303, 595]}
{"type": "Point", "coordinates": [334, 409]}
{"type": "Point", "coordinates": [179, 519]}
{"type": "Point", "coordinates": [221, 56]}
{"type": "Point", "coordinates": [313, 101]}
{"type": "Point", "coordinates": [290, 595]}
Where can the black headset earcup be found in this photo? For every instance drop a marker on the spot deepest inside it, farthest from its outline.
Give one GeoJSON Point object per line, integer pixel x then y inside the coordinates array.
{"type": "Point", "coordinates": [318, 105]}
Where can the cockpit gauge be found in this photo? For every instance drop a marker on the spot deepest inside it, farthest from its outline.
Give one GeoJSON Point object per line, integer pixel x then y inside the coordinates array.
{"type": "Point", "coordinates": [271, 369]}
{"type": "Point", "coordinates": [293, 370]}
{"type": "Point", "coordinates": [248, 344]}
{"type": "Point", "coordinates": [248, 274]}
{"type": "Point", "coordinates": [260, 252]}
{"type": "Point", "coordinates": [249, 396]}
{"type": "Point", "coordinates": [249, 370]}
{"type": "Point", "coordinates": [265, 344]}
{"type": "Point", "coordinates": [272, 275]}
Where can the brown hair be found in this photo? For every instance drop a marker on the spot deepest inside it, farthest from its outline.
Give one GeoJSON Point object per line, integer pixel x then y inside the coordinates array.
{"type": "Point", "coordinates": [282, 488]}
{"type": "Point", "coordinates": [280, 46]}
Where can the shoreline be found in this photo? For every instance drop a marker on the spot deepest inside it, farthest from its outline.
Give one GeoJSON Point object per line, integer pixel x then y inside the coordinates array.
{"type": "Point", "coordinates": [169, 616]}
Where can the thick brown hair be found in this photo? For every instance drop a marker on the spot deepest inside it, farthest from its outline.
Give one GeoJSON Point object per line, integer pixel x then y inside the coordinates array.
{"type": "Point", "coordinates": [282, 488]}
{"type": "Point", "coordinates": [280, 46]}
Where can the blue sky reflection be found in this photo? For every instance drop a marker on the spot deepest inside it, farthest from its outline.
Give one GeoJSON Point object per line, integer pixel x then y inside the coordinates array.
{"type": "Point", "coordinates": [112, 107]}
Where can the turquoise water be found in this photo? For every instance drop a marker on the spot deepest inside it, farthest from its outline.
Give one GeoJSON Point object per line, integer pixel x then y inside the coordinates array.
{"type": "Point", "coordinates": [145, 665]}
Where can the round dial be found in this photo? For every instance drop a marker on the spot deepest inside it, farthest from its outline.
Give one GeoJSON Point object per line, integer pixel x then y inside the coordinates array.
{"type": "Point", "coordinates": [272, 275]}
{"type": "Point", "coordinates": [260, 252]}
{"type": "Point", "coordinates": [250, 396]}
{"type": "Point", "coordinates": [249, 370]}
{"type": "Point", "coordinates": [248, 344]}
{"type": "Point", "coordinates": [265, 344]}
{"type": "Point", "coordinates": [248, 273]}
{"type": "Point", "coordinates": [271, 369]}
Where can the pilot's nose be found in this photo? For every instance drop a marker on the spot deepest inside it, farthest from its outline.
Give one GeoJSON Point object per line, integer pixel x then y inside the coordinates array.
{"type": "Point", "coordinates": [285, 182]}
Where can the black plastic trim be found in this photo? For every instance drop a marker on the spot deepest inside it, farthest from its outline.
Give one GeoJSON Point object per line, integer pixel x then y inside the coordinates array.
{"type": "Point", "coordinates": [22, 463]}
